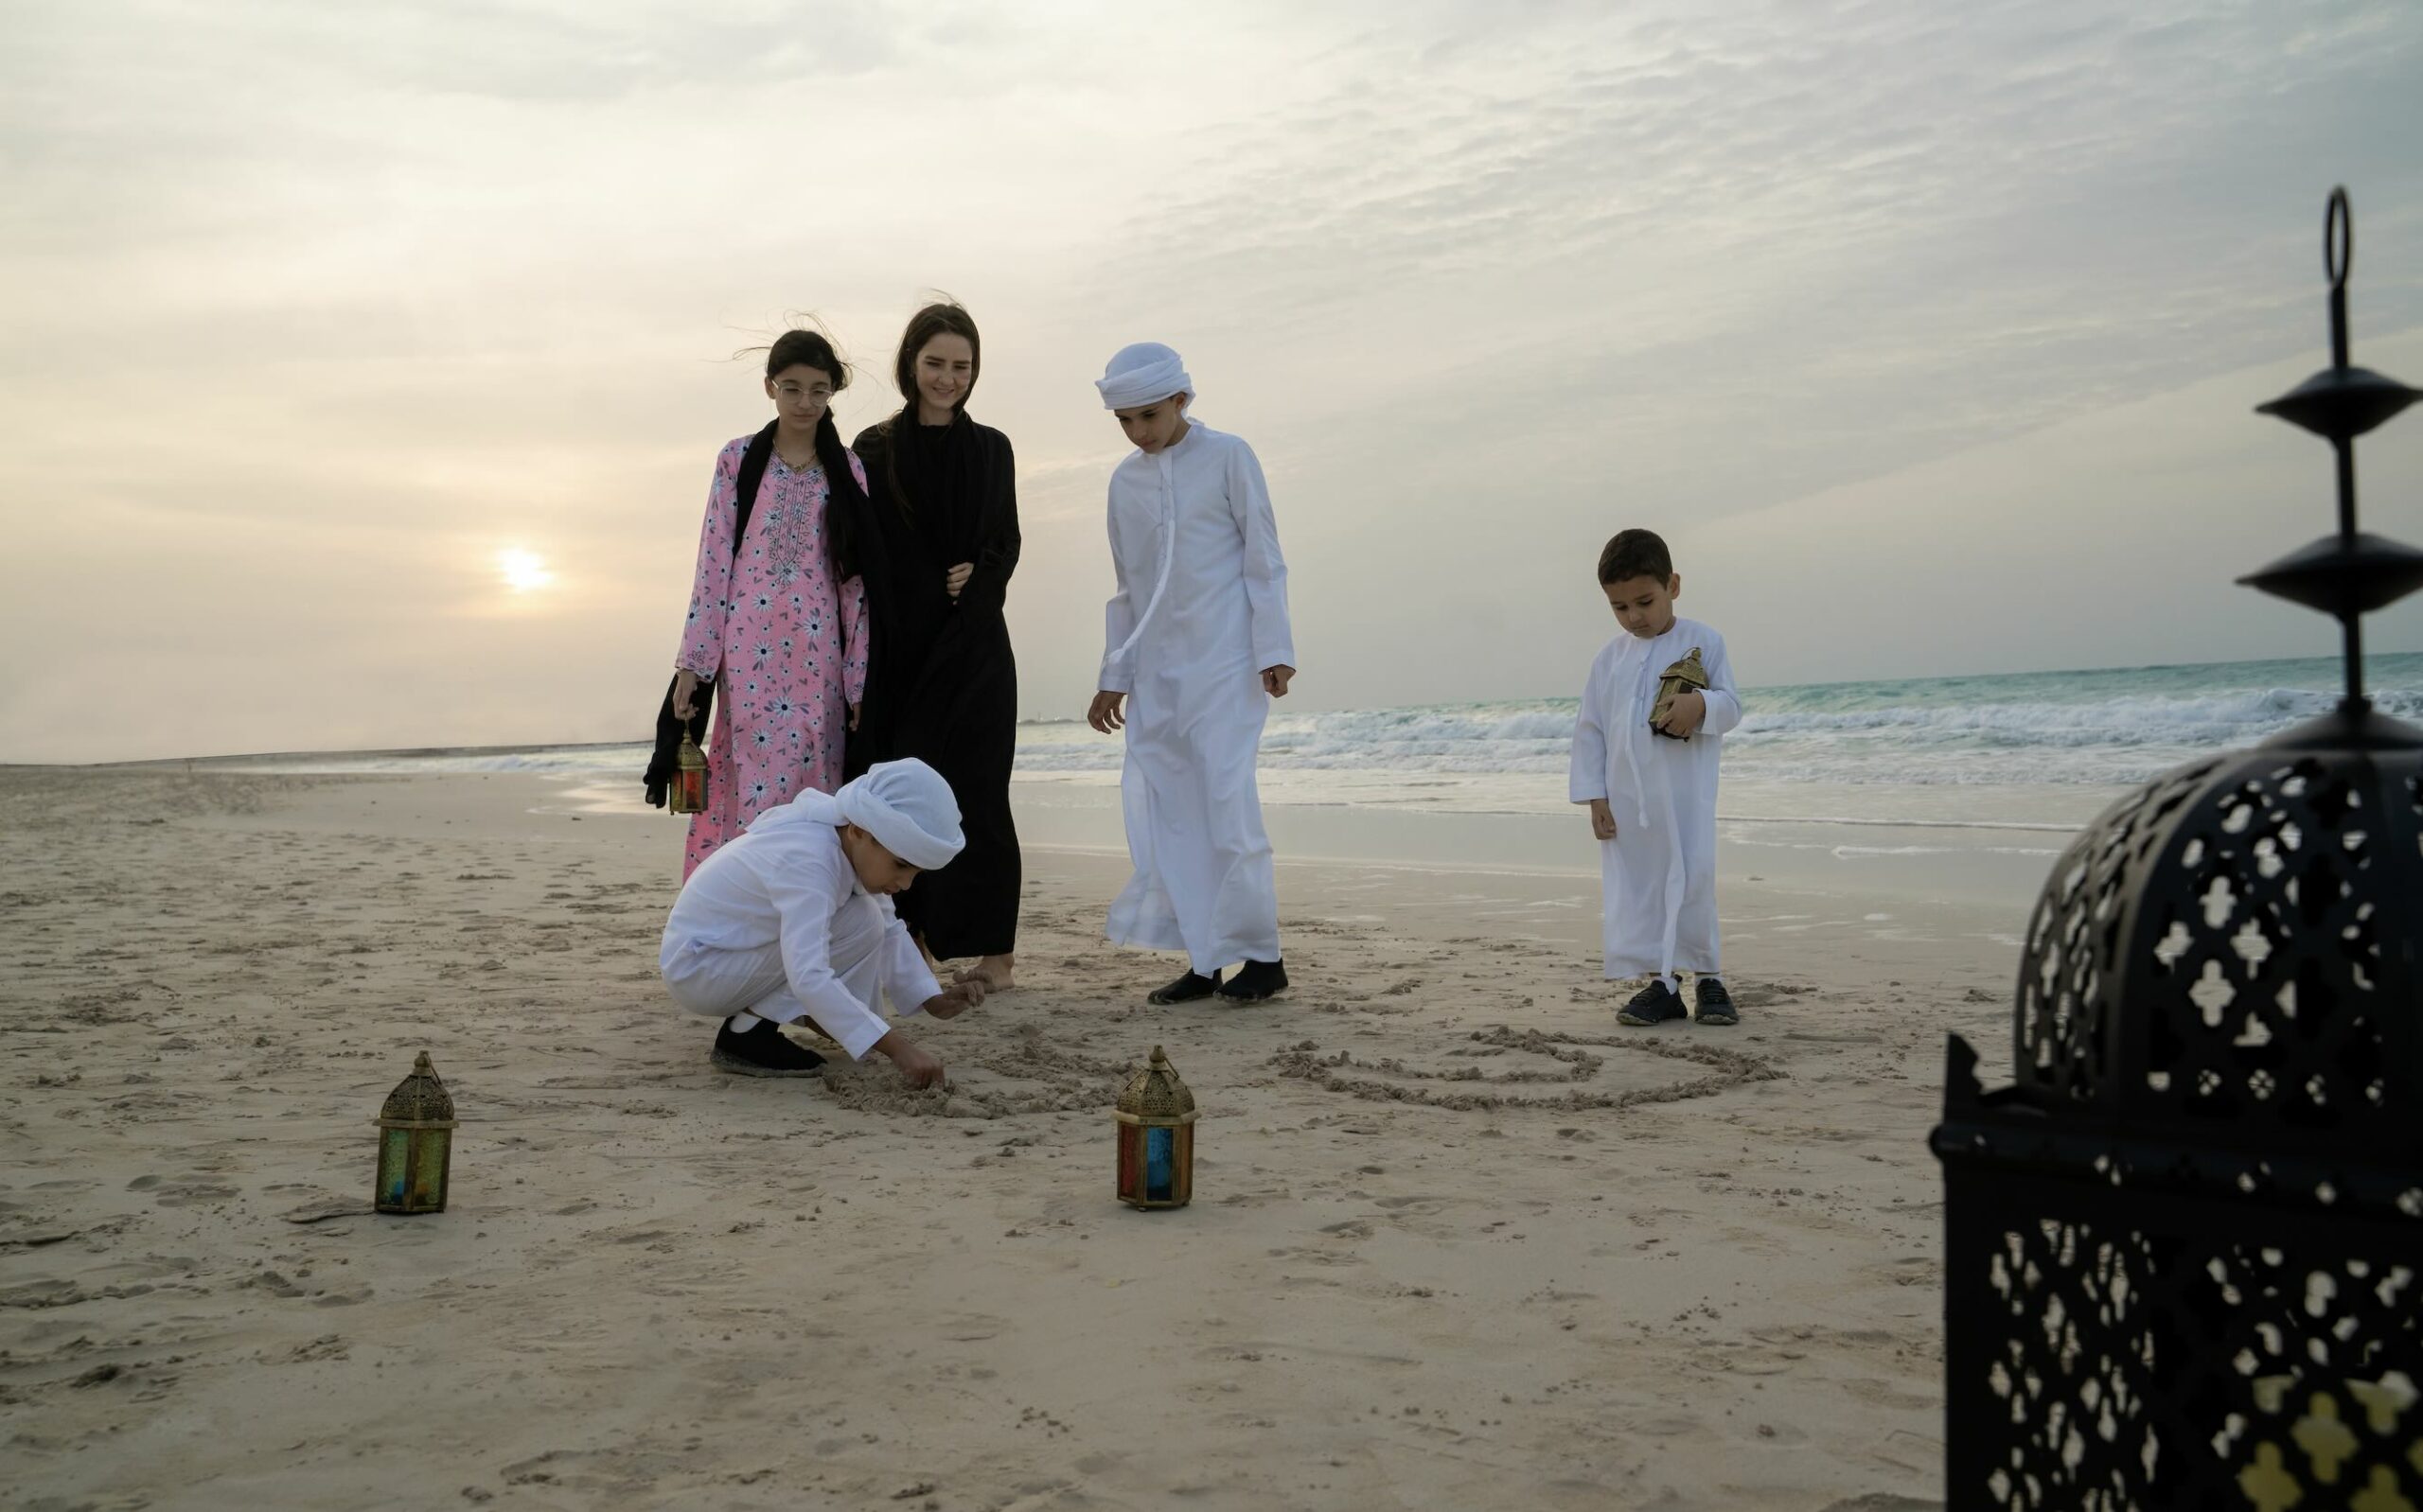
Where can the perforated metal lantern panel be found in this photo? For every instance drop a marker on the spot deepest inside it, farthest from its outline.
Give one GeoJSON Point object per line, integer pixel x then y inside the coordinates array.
{"type": "Point", "coordinates": [2232, 948]}
{"type": "Point", "coordinates": [2133, 1350]}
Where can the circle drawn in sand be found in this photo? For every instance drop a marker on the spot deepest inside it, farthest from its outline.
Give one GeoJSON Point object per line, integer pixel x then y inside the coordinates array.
{"type": "Point", "coordinates": [1393, 1081]}
{"type": "Point", "coordinates": [996, 1081]}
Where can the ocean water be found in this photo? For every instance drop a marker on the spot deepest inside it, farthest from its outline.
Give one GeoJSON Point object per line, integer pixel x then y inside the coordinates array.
{"type": "Point", "coordinates": [2025, 752]}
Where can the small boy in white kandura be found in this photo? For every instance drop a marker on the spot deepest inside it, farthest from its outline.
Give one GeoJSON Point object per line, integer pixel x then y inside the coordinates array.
{"type": "Point", "coordinates": [793, 919]}
{"type": "Point", "coordinates": [1648, 772]}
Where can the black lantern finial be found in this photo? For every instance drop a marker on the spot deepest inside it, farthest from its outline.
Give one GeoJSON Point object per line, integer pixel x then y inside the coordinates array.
{"type": "Point", "coordinates": [2351, 574]}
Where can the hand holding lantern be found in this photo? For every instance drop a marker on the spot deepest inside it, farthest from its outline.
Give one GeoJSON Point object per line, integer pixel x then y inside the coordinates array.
{"type": "Point", "coordinates": [1685, 683]}
{"type": "Point", "coordinates": [689, 794]}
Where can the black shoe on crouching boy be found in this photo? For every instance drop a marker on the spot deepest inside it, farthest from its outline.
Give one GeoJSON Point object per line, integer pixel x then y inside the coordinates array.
{"type": "Point", "coordinates": [762, 1050]}
{"type": "Point", "coordinates": [1656, 1003]}
{"type": "Point", "coordinates": [1256, 980]}
{"type": "Point", "coordinates": [1714, 1003]}
{"type": "Point", "coordinates": [1190, 987]}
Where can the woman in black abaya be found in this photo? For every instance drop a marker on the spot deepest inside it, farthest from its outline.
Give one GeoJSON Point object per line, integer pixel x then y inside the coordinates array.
{"type": "Point", "coordinates": [941, 685]}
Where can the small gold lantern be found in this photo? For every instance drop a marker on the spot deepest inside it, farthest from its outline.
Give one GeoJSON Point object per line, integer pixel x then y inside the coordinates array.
{"type": "Point", "coordinates": [1156, 1137]}
{"type": "Point", "coordinates": [689, 795]}
{"type": "Point", "coordinates": [416, 1140]}
{"type": "Point", "coordinates": [1686, 676]}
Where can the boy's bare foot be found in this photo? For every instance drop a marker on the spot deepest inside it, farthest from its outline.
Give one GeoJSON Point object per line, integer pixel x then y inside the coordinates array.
{"type": "Point", "coordinates": [995, 971]}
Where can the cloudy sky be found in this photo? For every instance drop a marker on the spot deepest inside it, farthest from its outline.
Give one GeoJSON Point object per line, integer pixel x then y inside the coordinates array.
{"type": "Point", "coordinates": [361, 367]}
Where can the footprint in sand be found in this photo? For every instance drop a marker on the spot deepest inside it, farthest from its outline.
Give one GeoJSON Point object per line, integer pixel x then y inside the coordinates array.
{"type": "Point", "coordinates": [181, 1193]}
{"type": "Point", "coordinates": [1312, 1257]}
{"type": "Point", "coordinates": [275, 1283]}
{"type": "Point", "coordinates": [54, 1292]}
{"type": "Point", "coordinates": [644, 1236]}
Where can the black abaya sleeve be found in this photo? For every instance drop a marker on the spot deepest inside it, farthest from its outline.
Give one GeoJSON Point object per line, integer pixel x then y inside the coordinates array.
{"type": "Point", "coordinates": [873, 739]}
{"type": "Point", "coordinates": [996, 554]}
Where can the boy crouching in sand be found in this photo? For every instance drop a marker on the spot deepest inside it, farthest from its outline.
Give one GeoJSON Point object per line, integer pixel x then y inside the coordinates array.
{"type": "Point", "coordinates": [793, 918]}
{"type": "Point", "coordinates": [1647, 771]}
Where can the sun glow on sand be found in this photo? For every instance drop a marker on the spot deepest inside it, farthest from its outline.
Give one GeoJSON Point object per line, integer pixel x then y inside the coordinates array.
{"type": "Point", "coordinates": [524, 572]}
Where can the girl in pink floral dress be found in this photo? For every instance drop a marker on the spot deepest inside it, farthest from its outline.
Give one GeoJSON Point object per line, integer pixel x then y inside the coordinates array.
{"type": "Point", "coordinates": [779, 625]}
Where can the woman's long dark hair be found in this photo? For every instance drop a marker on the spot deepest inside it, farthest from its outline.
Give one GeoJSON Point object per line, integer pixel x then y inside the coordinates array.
{"type": "Point", "coordinates": [943, 318]}
{"type": "Point", "coordinates": [844, 500]}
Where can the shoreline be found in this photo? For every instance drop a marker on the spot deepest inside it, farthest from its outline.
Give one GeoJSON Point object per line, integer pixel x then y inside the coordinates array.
{"type": "Point", "coordinates": [2311, 674]}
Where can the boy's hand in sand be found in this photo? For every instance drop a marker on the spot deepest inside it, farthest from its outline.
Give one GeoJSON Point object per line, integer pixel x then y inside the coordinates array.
{"type": "Point", "coordinates": [685, 693]}
{"type": "Point", "coordinates": [957, 578]}
{"type": "Point", "coordinates": [967, 992]}
{"type": "Point", "coordinates": [917, 1065]}
{"type": "Point", "coordinates": [1687, 711]}
{"type": "Point", "coordinates": [1105, 715]}
{"type": "Point", "coordinates": [1275, 680]}
{"type": "Point", "coordinates": [1602, 819]}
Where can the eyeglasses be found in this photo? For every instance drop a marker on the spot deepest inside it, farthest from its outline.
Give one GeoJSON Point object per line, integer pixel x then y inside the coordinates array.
{"type": "Point", "coordinates": [793, 394]}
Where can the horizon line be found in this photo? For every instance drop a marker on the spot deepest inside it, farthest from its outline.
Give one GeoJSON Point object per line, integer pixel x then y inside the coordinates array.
{"type": "Point", "coordinates": [534, 746]}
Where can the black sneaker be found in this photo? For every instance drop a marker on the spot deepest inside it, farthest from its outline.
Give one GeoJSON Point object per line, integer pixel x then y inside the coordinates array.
{"type": "Point", "coordinates": [1656, 1003]}
{"type": "Point", "coordinates": [1187, 989]}
{"type": "Point", "coordinates": [1255, 981]}
{"type": "Point", "coordinates": [1714, 1003]}
{"type": "Point", "coordinates": [763, 1051]}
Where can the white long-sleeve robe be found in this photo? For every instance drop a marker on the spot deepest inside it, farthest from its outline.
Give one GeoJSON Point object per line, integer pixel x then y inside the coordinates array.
{"type": "Point", "coordinates": [1201, 610]}
{"type": "Point", "coordinates": [1659, 871]}
{"type": "Point", "coordinates": [774, 921]}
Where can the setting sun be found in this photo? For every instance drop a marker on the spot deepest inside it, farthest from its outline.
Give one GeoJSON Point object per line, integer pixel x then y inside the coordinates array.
{"type": "Point", "coordinates": [524, 570]}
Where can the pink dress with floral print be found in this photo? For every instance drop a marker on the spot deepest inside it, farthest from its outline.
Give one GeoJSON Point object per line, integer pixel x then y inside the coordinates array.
{"type": "Point", "coordinates": [786, 644]}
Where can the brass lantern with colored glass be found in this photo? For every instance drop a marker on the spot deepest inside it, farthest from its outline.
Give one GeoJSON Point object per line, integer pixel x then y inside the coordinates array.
{"type": "Point", "coordinates": [416, 1140]}
{"type": "Point", "coordinates": [689, 795]}
{"type": "Point", "coordinates": [1686, 676]}
{"type": "Point", "coordinates": [1156, 1137]}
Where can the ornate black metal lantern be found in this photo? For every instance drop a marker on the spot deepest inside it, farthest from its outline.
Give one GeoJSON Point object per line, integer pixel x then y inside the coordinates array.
{"type": "Point", "coordinates": [2185, 1249]}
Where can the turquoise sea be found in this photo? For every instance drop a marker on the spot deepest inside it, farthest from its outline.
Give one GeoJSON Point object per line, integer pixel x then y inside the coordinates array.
{"type": "Point", "coordinates": [2038, 751]}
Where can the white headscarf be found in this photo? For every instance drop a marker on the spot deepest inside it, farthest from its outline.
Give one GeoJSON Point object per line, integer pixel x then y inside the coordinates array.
{"type": "Point", "coordinates": [907, 807]}
{"type": "Point", "coordinates": [1146, 373]}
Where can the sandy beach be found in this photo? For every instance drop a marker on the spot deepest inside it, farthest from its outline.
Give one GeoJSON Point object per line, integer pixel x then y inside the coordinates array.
{"type": "Point", "coordinates": [1458, 1241]}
